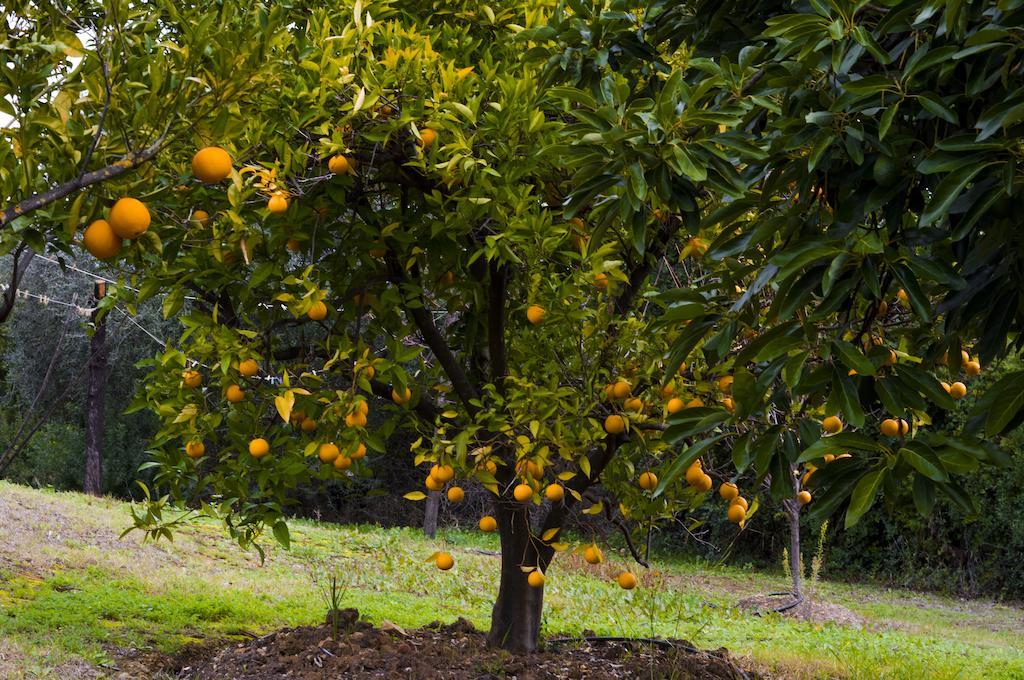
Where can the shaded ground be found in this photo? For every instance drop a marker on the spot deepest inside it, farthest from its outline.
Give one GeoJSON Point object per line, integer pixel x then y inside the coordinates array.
{"type": "Point", "coordinates": [456, 652]}
{"type": "Point", "coordinates": [77, 602]}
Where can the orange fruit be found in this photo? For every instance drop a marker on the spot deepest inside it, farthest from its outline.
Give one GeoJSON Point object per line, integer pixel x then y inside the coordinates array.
{"type": "Point", "coordinates": [201, 216]}
{"type": "Point", "coordinates": [359, 453]}
{"type": "Point", "coordinates": [634, 404]}
{"type": "Point", "coordinates": [832, 424]}
{"type": "Point", "coordinates": [293, 245]}
{"type": "Point", "coordinates": [356, 419]}
{"type": "Point", "coordinates": [307, 425]}
{"type": "Point", "coordinates": [101, 241]}
{"type": "Point", "coordinates": [737, 513]}
{"type": "Point", "coordinates": [456, 494]}
{"type": "Point", "coordinates": [444, 561]}
{"type": "Point", "coordinates": [648, 481]}
{"type": "Point", "coordinates": [488, 524]}
{"type": "Point", "coordinates": [523, 493]}
{"type": "Point", "coordinates": [340, 165]}
{"type": "Point", "coordinates": [728, 404]}
{"type": "Point", "coordinates": [363, 407]}
{"type": "Point", "coordinates": [904, 427]}
{"type": "Point", "coordinates": [627, 580]}
{"type": "Point", "coordinates": [695, 403]}
{"type": "Point", "coordinates": [211, 164]}
{"type": "Point", "coordinates": [704, 483]}
{"type": "Point", "coordinates": [535, 579]}
{"type": "Point", "coordinates": [318, 312]}
{"type": "Point", "coordinates": [957, 390]}
{"type": "Point", "coordinates": [740, 500]}
{"type": "Point", "coordinates": [889, 427]}
{"type": "Point", "coordinates": [342, 462]}
{"type": "Point", "coordinates": [972, 368]}
{"type": "Point", "coordinates": [593, 554]}
{"type": "Point", "coordinates": [249, 368]}
{"type": "Point", "coordinates": [195, 449]}
{"type": "Point", "coordinates": [328, 452]}
{"type": "Point", "coordinates": [259, 447]}
{"type": "Point", "coordinates": [667, 390]}
{"type": "Point", "coordinates": [901, 295]}
{"type": "Point", "coordinates": [728, 491]}
{"type": "Point", "coordinates": [129, 218]}
{"type": "Point", "coordinates": [946, 386]}
{"type": "Point", "coordinates": [615, 424]}
{"type": "Point", "coordinates": [675, 405]}
{"type": "Point", "coordinates": [601, 281]}
{"type": "Point", "coordinates": [725, 383]}
{"type": "Point", "coordinates": [442, 473]}
{"type": "Point", "coordinates": [535, 314]}
{"type": "Point", "coordinates": [427, 137]}
{"type": "Point", "coordinates": [234, 394]}
{"type": "Point", "coordinates": [621, 389]}
{"type": "Point", "coordinates": [277, 204]}
{"type": "Point", "coordinates": [403, 398]}
{"type": "Point", "coordinates": [694, 473]}
{"type": "Point", "coordinates": [555, 492]}
{"type": "Point", "coordinates": [192, 379]}
{"type": "Point", "coordinates": [434, 484]}
{"type": "Point", "coordinates": [804, 497]}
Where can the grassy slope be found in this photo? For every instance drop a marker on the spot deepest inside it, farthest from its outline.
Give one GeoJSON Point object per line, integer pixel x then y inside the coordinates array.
{"type": "Point", "coordinates": [73, 598]}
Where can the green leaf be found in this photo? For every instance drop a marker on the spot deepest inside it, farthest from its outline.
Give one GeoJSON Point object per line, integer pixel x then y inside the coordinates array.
{"type": "Point", "coordinates": [863, 496]}
{"type": "Point", "coordinates": [923, 459]}
{"type": "Point", "coordinates": [682, 462]}
{"type": "Point", "coordinates": [853, 358]}
{"type": "Point", "coordinates": [839, 443]}
{"type": "Point", "coordinates": [281, 533]}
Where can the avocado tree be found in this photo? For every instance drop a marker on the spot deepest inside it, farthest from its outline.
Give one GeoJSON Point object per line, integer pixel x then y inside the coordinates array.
{"type": "Point", "coordinates": [476, 214]}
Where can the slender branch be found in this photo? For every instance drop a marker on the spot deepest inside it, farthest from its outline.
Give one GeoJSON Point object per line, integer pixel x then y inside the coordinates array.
{"type": "Point", "coordinates": [19, 266]}
{"type": "Point", "coordinates": [617, 521]}
{"type": "Point", "coordinates": [126, 163]}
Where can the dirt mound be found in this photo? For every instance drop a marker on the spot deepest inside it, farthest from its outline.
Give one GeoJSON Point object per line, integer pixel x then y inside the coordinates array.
{"type": "Point", "coordinates": [456, 651]}
{"type": "Point", "coordinates": [807, 610]}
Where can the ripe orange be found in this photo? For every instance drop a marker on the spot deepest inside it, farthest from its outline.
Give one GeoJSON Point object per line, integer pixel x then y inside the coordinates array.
{"type": "Point", "coordinates": [192, 379]}
{"type": "Point", "coordinates": [904, 427]}
{"type": "Point", "coordinates": [728, 491]}
{"type": "Point", "coordinates": [804, 497]}
{"type": "Point", "coordinates": [359, 453]}
{"type": "Point", "coordinates": [277, 204]}
{"type": "Point", "coordinates": [129, 218]}
{"type": "Point", "coordinates": [889, 427]}
{"type": "Point", "coordinates": [293, 245]}
{"type": "Point", "coordinates": [694, 473]}
{"type": "Point", "coordinates": [634, 404]}
{"type": "Point", "coordinates": [555, 492]}
{"type": "Point", "coordinates": [201, 216]}
{"type": "Point", "coordinates": [101, 241]}
{"type": "Point", "coordinates": [621, 389]}
{"type": "Point", "coordinates": [737, 513]}
{"type": "Point", "coordinates": [447, 279]}
{"type": "Point", "coordinates": [883, 308]}
{"type": "Point", "coordinates": [648, 481]}
{"type": "Point", "coordinates": [328, 452]}
{"type": "Point", "coordinates": [427, 137]}
{"type": "Point", "coordinates": [957, 390]}
{"type": "Point", "coordinates": [832, 424]}
{"type": "Point", "coordinates": [356, 419]}
{"type": "Point", "coordinates": [535, 579]}
{"type": "Point", "coordinates": [627, 580]}
{"type": "Point", "coordinates": [593, 554]}
{"type": "Point", "coordinates": [403, 398]}
{"type": "Point", "coordinates": [249, 368]}
{"type": "Point", "coordinates": [601, 281]}
{"type": "Point", "coordinates": [901, 295]}
{"type": "Point", "coordinates": [972, 368]}
{"type": "Point", "coordinates": [488, 524]}
{"type": "Point", "coordinates": [433, 483]}
{"type": "Point", "coordinates": [318, 312]}
{"type": "Point", "coordinates": [523, 493]}
{"type": "Point", "coordinates": [728, 404]}
{"type": "Point", "coordinates": [535, 314]}
{"type": "Point", "coordinates": [211, 164]}
{"type": "Point", "coordinates": [340, 165]}
{"type": "Point", "coordinates": [307, 425]}
{"type": "Point", "coordinates": [442, 473]}
{"type": "Point", "coordinates": [491, 466]}
{"type": "Point", "coordinates": [234, 394]}
{"type": "Point", "coordinates": [704, 483]}
{"type": "Point", "coordinates": [615, 424]}
{"type": "Point", "coordinates": [695, 403]}
{"type": "Point", "coordinates": [444, 561]}
{"type": "Point", "coordinates": [725, 383]}
{"type": "Point", "coordinates": [259, 447]}
{"type": "Point", "coordinates": [456, 494]}
{"type": "Point", "coordinates": [946, 386]}
{"type": "Point", "coordinates": [675, 405]}
{"type": "Point", "coordinates": [195, 449]}
{"type": "Point", "coordinates": [363, 407]}
{"type": "Point", "coordinates": [829, 457]}
{"type": "Point", "coordinates": [891, 358]}
{"type": "Point", "coordinates": [668, 390]}
{"type": "Point", "coordinates": [342, 462]}
{"type": "Point", "coordinates": [740, 500]}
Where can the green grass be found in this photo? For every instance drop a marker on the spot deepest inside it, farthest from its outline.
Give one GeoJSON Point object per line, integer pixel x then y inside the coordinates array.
{"type": "Point", "coordinates": [71, 593]}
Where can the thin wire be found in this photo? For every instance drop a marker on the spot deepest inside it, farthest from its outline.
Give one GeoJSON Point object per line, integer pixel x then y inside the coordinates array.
{"type": "Point", "coordinates": [94, 274]}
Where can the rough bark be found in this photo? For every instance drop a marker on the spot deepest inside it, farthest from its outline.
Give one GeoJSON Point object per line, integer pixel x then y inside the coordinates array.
{"type": "Point", "coordinates": [430, 513]}
{"type": "Point", "coordinates": [515, 618]}
{"type": "Point", "coordinates": [95, 407]}
{"type": "Point", "coordinates": [793, 512]}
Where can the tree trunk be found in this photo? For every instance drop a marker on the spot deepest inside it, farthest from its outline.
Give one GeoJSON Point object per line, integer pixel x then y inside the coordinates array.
{"type": "Point", "coordinates": [94, 409]}
{"type": "Point", "coordinates": [430, 513]}
{"type": "Point", "coordinates": [515, 619]}
{"type": "Point", "coordinates": [792, 506]}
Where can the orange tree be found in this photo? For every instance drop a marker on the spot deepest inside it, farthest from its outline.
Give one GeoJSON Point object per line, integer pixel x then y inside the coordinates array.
{"type": "Point", "coordinates": [465, 216]}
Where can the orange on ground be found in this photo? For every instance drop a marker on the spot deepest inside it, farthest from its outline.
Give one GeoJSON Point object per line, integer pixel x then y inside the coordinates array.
{"type": "Point", "coordinates": [444, 561]}
{"type": "Point", "coordinates": [627, 580]}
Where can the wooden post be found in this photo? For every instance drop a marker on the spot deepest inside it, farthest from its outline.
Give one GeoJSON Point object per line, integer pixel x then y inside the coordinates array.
{"type": "Point", "coordinates": [96, 398]}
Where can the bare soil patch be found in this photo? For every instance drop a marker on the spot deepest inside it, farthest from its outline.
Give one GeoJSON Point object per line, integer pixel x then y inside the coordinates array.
{"type": "Point", "coordinates": [455, 652]}
{"type": "Point", "coordinates": [810, 610]}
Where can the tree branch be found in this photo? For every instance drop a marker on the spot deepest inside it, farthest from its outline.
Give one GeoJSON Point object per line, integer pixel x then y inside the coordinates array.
{"type": "Point", "coordinates": [18, 268]}
{"type": "Point", "coordinates": [126, 163]}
